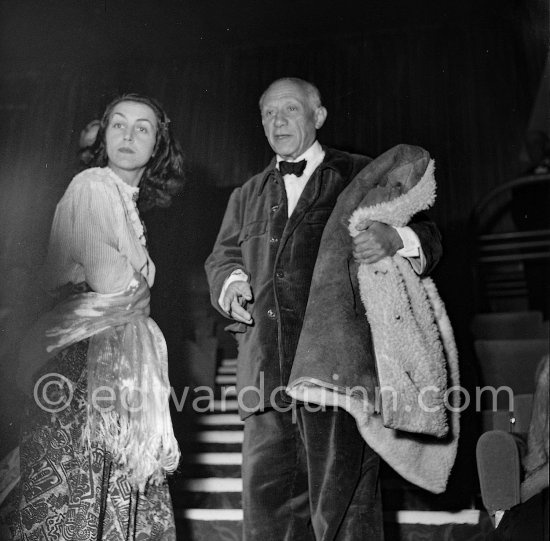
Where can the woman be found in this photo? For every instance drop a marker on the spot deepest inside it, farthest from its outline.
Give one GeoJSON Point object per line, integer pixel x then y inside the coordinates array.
{"type": "Point", "coordinates": [97, 441]}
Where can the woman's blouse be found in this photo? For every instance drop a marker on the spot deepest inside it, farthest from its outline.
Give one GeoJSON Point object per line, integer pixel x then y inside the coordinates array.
{"type": "Point", "coordinates": [97, 236]}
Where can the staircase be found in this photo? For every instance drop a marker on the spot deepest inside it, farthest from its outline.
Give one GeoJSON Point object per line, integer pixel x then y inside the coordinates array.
{"type": "Point", "coordinates": [207, 497]}
{"type": "Point", "coordinates": [207, 501]}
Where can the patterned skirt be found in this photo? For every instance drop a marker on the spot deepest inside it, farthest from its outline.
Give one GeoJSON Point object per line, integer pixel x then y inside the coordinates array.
{"type": "Point", "coordinates": [66, 493]}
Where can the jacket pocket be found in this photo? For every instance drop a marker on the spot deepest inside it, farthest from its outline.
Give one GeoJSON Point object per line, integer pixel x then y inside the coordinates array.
{"type": "Point", "coordinates": [252, 229]}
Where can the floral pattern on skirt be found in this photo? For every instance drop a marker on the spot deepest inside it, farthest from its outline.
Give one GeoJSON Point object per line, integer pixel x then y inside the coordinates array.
{"type": "Point", "coordinates": [67, 494]}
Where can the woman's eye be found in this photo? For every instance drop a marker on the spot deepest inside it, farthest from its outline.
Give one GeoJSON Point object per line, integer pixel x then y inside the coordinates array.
{"type": "Point", "coordinates": [117, 125]}
{"type": "Point", "coordinates": [142, 129]}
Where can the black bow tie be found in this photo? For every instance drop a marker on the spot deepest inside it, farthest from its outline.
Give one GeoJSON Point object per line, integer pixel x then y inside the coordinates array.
{"type": "Point", "coordinates": [292, 168]}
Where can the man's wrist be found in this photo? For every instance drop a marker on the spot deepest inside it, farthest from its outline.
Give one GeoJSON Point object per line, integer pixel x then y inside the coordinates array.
{"type": "Point", "coordinates": [411, 244]}
{"type": "Point", "coordinates": [235, 276]}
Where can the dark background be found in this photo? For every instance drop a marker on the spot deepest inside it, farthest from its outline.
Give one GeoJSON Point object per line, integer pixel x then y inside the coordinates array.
{"type": "Point", "coordinates": [456, 77]}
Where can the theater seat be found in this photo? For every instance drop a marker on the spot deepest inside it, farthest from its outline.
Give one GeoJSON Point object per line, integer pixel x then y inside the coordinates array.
{"type": "Point", "coordinates": [509, 325]}
{"type": "Point", "coordinates": [514, 419]}
{"type": "Point", "coordinates": [508, 363]}
{"type": "Point", "coordinates": [499, 470]}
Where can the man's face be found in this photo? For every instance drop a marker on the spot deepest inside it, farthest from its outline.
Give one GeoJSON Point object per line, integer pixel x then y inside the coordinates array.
{"type": "Point", "coordinates": [289, 120]}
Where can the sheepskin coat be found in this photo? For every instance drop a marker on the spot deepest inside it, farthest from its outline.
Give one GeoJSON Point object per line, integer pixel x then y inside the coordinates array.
{"type": "Point", "coordinates": [383, 318]}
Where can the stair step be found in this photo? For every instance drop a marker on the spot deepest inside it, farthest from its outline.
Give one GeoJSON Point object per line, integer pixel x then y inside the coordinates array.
{"type": "Point", "coordinates": [431, 518]}
{"type": "Point", "coordinates": [216, 458]}
{"type": "Point", "coordinates": [209, 447]}
{"type": "Point", "coordinates": [210, 514]}
{"type": "Point", "coordinates": [215, 419]}
{"type": "Point", "coordinates": [208, 530]}
{"type": "Point", "coordinates": [208, 504]}
{"type": "Point", "coordinates": [219, 436]}
{"type": "Point", "coordinates": [213, 465]}
{"type": "Point", "coordinates": [224, 405]}
{"type": "Point", "coordinates": [183, 499]}
{"type": "Point", "coordinates": [226, 379]}
{"type": "Point", "coordinates": [226, 391]}
{"type": "Point", "coordinates": [229, 362]}
{"type": "Point", "coordinates": [213, 484]}
{"type": "Point", "coordinates": [205, 471]}
{"type": "Point", "coordinates": [218, 428]}
{"type": "Point", "coordinates": [229, 369]}
{"type": "Point", "coordinates": [214, 524]}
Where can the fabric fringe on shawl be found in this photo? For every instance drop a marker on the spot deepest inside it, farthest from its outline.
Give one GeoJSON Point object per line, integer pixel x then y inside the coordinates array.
{"type": "Point", "coordinates": [128, 387]}
{"type": "Point", "coordinates": [416, 357]}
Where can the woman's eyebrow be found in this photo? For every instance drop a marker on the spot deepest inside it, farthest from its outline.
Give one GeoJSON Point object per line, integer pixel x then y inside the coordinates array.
{"type": "Point", "coordinates": [137, 119]}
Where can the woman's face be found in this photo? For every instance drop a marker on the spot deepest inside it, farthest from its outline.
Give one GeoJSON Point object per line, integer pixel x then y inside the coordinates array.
{"type": "Point", "coordinates": [130, 138]}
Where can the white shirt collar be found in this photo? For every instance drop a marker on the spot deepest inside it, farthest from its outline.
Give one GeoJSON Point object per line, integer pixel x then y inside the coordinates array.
{"type": "Point", "coordinates": [313, 155]}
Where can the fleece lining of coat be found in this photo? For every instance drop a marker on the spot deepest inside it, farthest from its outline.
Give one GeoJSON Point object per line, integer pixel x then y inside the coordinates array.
{"type": "Point", "coordinates": [413, 421]}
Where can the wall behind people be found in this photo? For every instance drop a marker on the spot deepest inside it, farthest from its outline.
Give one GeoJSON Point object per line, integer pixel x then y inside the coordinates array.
{"type": "Point", "coordinates": [456, 78]}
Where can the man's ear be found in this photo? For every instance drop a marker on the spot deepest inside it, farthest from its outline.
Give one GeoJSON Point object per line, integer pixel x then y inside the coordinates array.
{"type": "Point", "coordinates": [320, 117]}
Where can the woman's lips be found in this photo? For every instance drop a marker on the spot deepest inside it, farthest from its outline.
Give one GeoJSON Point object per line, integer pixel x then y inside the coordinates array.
{"type": "Point", "coordinates": [126, 150]}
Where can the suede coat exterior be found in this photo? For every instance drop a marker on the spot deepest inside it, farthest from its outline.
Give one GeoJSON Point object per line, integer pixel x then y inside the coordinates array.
{"type": "Point", "coordinates": [405, 338]}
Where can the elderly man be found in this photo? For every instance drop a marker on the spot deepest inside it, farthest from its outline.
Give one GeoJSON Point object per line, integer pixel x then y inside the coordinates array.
{"type": "Point", "coordinates": [306, 474]}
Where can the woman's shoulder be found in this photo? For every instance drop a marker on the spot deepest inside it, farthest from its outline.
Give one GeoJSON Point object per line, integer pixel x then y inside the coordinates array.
{"type": "Point", "coordinates": [91, 176]}
{"type": "Point", "coordinates": [92, 180]}
{"type": "Point", "coordinates": [91, 187]}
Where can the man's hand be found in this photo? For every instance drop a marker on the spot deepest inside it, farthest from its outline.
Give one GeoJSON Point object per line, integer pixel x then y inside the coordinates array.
{"type": "Point", "coordinates": [238, 293]}
{"type": "Point", "coordinates": [375, 242]}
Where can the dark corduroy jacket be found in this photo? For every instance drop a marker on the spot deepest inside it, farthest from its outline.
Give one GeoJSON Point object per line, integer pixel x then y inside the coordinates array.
{"type": "Point", "coordinates": [278, 254]}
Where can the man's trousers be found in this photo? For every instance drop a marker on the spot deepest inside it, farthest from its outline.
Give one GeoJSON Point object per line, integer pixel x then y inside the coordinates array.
{"type": "Point", "coordinates": [308, 475]}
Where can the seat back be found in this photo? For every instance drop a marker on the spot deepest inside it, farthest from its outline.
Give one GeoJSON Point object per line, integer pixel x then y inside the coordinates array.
{"type": "Point", "coordinates": [499, 471]}
{"type": "Point", "coordinates": [515, 420]}
{"type": "Point", "coordinates": [502, 252]}
{"type": "Point", "coordinates": [509, 326]}
{"type": "Point", "coordinates": [510, 365]}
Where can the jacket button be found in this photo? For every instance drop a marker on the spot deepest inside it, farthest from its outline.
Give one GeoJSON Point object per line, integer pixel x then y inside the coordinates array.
{"type": "Point", "coordinates": [280, 274]}
{"type": "Point", "coordinates": [271, 314]}
{"type": "Point", "coordinates": [273, 240]}
{"type": "Point", "coordinates": [274, 208]}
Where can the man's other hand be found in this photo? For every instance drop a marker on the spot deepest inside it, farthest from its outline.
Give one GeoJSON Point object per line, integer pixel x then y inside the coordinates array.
{"type": "Point", "coordinates": [375, 242]}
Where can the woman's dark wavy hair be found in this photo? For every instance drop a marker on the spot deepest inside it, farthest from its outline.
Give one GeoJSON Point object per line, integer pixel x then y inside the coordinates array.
{"type": "Point", "coordinates": [164, 174]}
